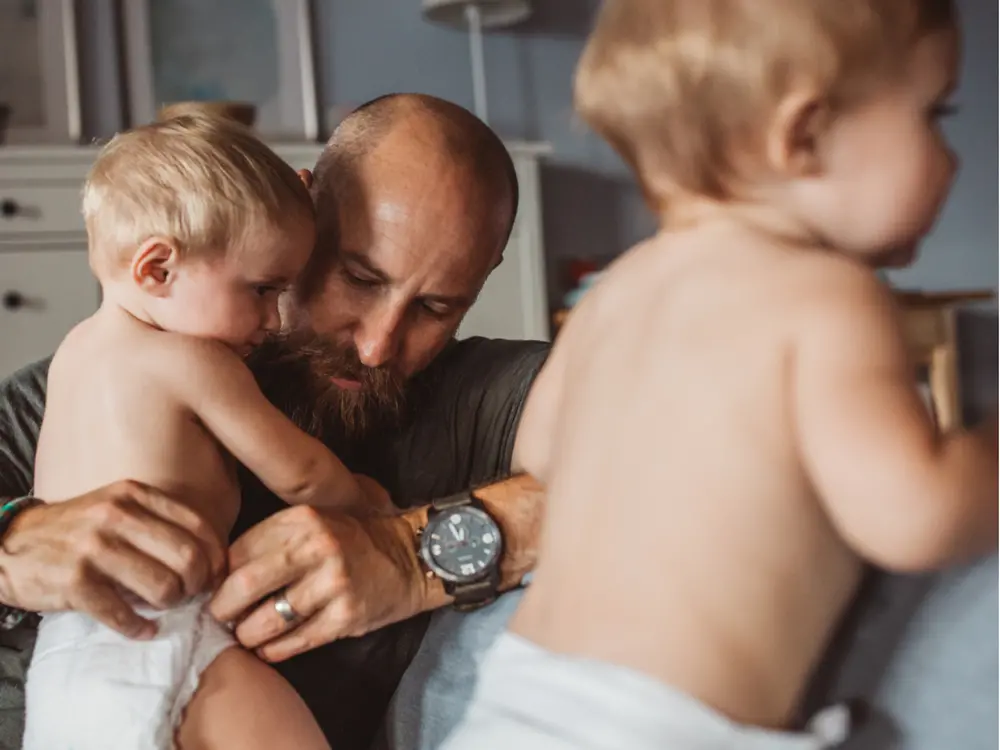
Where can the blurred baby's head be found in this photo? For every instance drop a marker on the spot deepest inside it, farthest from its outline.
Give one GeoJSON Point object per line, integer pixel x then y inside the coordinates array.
{"type": "Point", "coordinates": [715, 98]}
{"type": "Point", "coordinates": [201, 218]}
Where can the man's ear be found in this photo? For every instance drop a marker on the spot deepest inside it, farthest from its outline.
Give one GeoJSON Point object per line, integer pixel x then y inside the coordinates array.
{"type": "Point", "coordinates": [793, 140]}
{"type": "Point", "coordinates": [154, 266]}
{"type": "Point", "coordinates": [307, 178]}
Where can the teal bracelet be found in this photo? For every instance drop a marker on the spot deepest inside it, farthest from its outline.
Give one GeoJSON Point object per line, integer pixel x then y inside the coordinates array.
{"type": "Point", "coordinates": [11, 617]}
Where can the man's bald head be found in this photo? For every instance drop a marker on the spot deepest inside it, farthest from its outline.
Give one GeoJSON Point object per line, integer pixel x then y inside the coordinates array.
{"type": "Point", "coordinates": [415, 200]}
{"type": "Point", "coordinates": [438, 131]}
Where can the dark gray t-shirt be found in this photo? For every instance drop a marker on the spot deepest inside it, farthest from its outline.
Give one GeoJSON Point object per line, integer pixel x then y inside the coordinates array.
{"type": "Point", "coordinates": [463, 416]}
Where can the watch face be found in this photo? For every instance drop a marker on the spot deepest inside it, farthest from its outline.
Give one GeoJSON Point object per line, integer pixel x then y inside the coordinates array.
{"type": "Point", "coordinates": [461, 544]}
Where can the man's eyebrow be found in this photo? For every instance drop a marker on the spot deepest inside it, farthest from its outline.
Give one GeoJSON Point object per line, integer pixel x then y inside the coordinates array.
{"type": "Point", "coordinates": [360, 260]}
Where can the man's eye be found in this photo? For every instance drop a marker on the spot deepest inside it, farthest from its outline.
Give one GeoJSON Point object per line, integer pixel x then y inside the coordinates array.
{"type": "Point", "coordinates": [435, 311]}
{"type": "Point", "coordinates": [362, 282]}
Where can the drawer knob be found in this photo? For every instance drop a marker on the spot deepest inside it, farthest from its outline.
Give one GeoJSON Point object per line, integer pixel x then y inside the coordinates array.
{"type": "Point", "coordinates": [9, 208]}
{"type": "Point", "coordinates": [13, 300]}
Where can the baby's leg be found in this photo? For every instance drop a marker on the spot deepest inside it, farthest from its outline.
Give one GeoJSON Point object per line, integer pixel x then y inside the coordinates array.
{"type": "Point", "coordinates": [242, 702]}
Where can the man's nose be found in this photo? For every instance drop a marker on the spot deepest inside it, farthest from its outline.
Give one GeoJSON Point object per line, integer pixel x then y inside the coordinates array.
{"type": "Point", "coordinates": [378, 334]}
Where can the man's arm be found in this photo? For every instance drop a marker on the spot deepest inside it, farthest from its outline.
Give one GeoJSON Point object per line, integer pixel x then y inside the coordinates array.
{"type": "Point", "coordinates": [222, 392]}
{"type": "Point", "coordinates": [905, 497]}
{"type": "Point", "coordinates": [482, 391]}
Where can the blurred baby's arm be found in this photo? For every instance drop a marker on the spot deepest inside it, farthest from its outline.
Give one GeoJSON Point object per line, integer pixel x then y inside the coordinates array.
{"type": "Point", "coordinates": [903, 496]}
{"type": "Point", "coordinates": [220, 390]}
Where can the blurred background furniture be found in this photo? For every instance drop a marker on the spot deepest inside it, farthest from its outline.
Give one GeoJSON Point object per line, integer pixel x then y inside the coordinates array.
{"type": "Point", "coordinates": [929, 324]}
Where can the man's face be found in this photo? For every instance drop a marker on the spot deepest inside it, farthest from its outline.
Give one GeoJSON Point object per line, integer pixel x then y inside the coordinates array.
{"type": "Point", "coordinates": [389, 286]}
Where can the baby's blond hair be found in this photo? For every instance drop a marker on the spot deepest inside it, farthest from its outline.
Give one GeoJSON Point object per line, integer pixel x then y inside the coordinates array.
{"type": "Point", "coordinates": [682, 88]}
{"type": "Point", "coordinates": [204, 183]}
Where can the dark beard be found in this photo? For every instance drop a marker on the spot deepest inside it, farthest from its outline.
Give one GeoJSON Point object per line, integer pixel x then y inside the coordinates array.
{"type": "Point", "coordinates": [294, 371]}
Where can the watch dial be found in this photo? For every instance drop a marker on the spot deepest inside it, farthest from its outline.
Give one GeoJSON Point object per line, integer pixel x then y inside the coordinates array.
{"type": "Point", "coordinates": [463, 542]}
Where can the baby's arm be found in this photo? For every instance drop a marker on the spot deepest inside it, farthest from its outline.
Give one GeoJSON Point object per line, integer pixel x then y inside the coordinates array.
{"type": "Point", "coordinates": [903, 496]}
{"type": "Point", "coordinates": [222, 393]}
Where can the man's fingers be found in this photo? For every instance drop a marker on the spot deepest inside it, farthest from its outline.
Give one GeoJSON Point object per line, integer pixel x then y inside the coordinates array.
{"type": "Point", "coordinates": [284, 530]}
{"type": "Point", "coordinates": [102, 602]}
{"type": "Point", "coordinates": [247, 585]}
{"type": "Point", "coordinates": [310, 634]}
{"type": "Point", "coordinates": [124, 565]}
{"type": "Point", "coordinates": [264, 624]}
{"type": "Point", "coordinates": [180, 515]}
{"type": "Point", "coordinates": [169, 545]}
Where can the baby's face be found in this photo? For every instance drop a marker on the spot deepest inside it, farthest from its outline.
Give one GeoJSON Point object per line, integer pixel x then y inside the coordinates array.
{"type": "Point", "coordinates": [234, 299]}
{"type": "Point", "coordinates": [888, 168]}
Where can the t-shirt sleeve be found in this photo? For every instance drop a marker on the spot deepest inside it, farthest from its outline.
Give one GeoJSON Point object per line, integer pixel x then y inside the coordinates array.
{"type": "Point", "coordinates": [470, 404]}
{"type": "Point", "coordinates": [22, 404]}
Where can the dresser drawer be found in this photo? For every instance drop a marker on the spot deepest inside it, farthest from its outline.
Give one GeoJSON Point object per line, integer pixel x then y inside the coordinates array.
{"type": "Point", "coordinates": [43, 294]}
{"type": "Point", "coordinates": [40, 208]}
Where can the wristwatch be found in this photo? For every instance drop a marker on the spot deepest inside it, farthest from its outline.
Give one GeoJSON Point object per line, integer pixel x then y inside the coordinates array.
{"type": "Point", "coordinates": [462, 545]}
{"type": "Point", "coordinates": [11, 617]}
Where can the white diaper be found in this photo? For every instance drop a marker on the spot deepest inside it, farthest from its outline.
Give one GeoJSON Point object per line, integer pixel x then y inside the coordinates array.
{"type": "Point", "coordinates": [529, 699]}
{"type": "Point", "coordinates": [89, 688]}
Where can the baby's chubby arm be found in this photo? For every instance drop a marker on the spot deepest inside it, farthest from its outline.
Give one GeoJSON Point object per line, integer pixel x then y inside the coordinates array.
{"type": "Point", "coordinates": [220, 390]}
{"type": "Point", "coordinates": [905, 497]}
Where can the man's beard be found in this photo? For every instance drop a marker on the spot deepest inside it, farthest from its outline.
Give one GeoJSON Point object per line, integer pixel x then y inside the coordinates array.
{"type": "Point", "coordinates": [295, 371]}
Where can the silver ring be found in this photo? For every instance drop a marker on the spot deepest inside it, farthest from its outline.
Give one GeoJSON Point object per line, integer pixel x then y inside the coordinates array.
{"type": "Point", "coordinates": [285, 610]}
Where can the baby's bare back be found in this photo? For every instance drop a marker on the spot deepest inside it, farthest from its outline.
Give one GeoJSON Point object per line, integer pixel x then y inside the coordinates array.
{"type": "Point", "coordinates": [682, 538]}
{"type": "Point", "coordinates": [110, 415]}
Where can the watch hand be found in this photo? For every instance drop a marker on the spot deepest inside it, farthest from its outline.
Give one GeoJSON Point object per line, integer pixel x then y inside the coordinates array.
{"type": "Point", "coordinates": [454, 532]}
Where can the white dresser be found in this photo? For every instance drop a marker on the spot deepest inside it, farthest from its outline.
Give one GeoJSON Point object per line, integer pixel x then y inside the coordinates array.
{"type": "Point", "coordinates": [46, 286]}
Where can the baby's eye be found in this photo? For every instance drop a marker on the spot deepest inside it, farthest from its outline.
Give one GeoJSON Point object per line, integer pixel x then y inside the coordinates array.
{"type": "Point", "coordinates": [265, 289]}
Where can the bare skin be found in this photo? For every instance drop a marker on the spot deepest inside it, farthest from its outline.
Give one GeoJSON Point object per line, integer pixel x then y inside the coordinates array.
{"type": "Point", "coordinates": [732, 575]}
{"type": "Point", "coordinates": [728, 429]}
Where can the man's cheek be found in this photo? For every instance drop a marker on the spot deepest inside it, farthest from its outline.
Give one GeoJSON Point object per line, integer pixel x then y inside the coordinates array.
{"type": "Point", "coordinates": [423, 345]}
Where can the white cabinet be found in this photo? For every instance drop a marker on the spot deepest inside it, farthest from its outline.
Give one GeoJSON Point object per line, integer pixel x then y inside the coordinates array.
{"type": "Point", "coordinates": [45, 281]}
{"type": "Point", "coordinates": [513, 304]}
{"type": "Point", "coordinates": [46, 285]}
{"type": "Point", "coordinates": [43, 293]}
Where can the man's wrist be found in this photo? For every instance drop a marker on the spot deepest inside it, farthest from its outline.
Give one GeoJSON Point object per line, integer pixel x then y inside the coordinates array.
{"type": "Point", "coordinates": [12, 511]}
{"type": "Point", "coordinates": [516, 504]}
{"type": "Point", "coordinates": [428, 588]}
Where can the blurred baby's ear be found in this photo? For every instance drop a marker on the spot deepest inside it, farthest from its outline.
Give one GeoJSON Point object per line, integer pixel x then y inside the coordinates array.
{"type": "Point", "coordinates": [793, 138]}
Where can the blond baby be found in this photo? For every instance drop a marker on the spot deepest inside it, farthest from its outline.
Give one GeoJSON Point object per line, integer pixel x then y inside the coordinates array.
{"type": "Point", "coordinates": [195, 227]}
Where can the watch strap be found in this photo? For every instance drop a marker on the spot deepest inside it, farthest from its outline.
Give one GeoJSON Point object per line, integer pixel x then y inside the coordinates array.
{"type": "Point", "coordinates": [471, 596]}
{"type": "Point", "coordinates": [458, 500]}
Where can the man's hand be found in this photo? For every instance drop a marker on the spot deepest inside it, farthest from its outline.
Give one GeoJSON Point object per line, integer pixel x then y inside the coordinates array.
{"type": "Point", "coordinates": [343, 575]}
{"type": "Point", "coordinates": [82, 554]}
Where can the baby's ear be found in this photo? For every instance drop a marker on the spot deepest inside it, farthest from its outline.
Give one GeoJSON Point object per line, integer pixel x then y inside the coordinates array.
{"type": "Point", "coordinates": [154, 266]}
{"type": "Point", "coordinates": [793, 140]}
